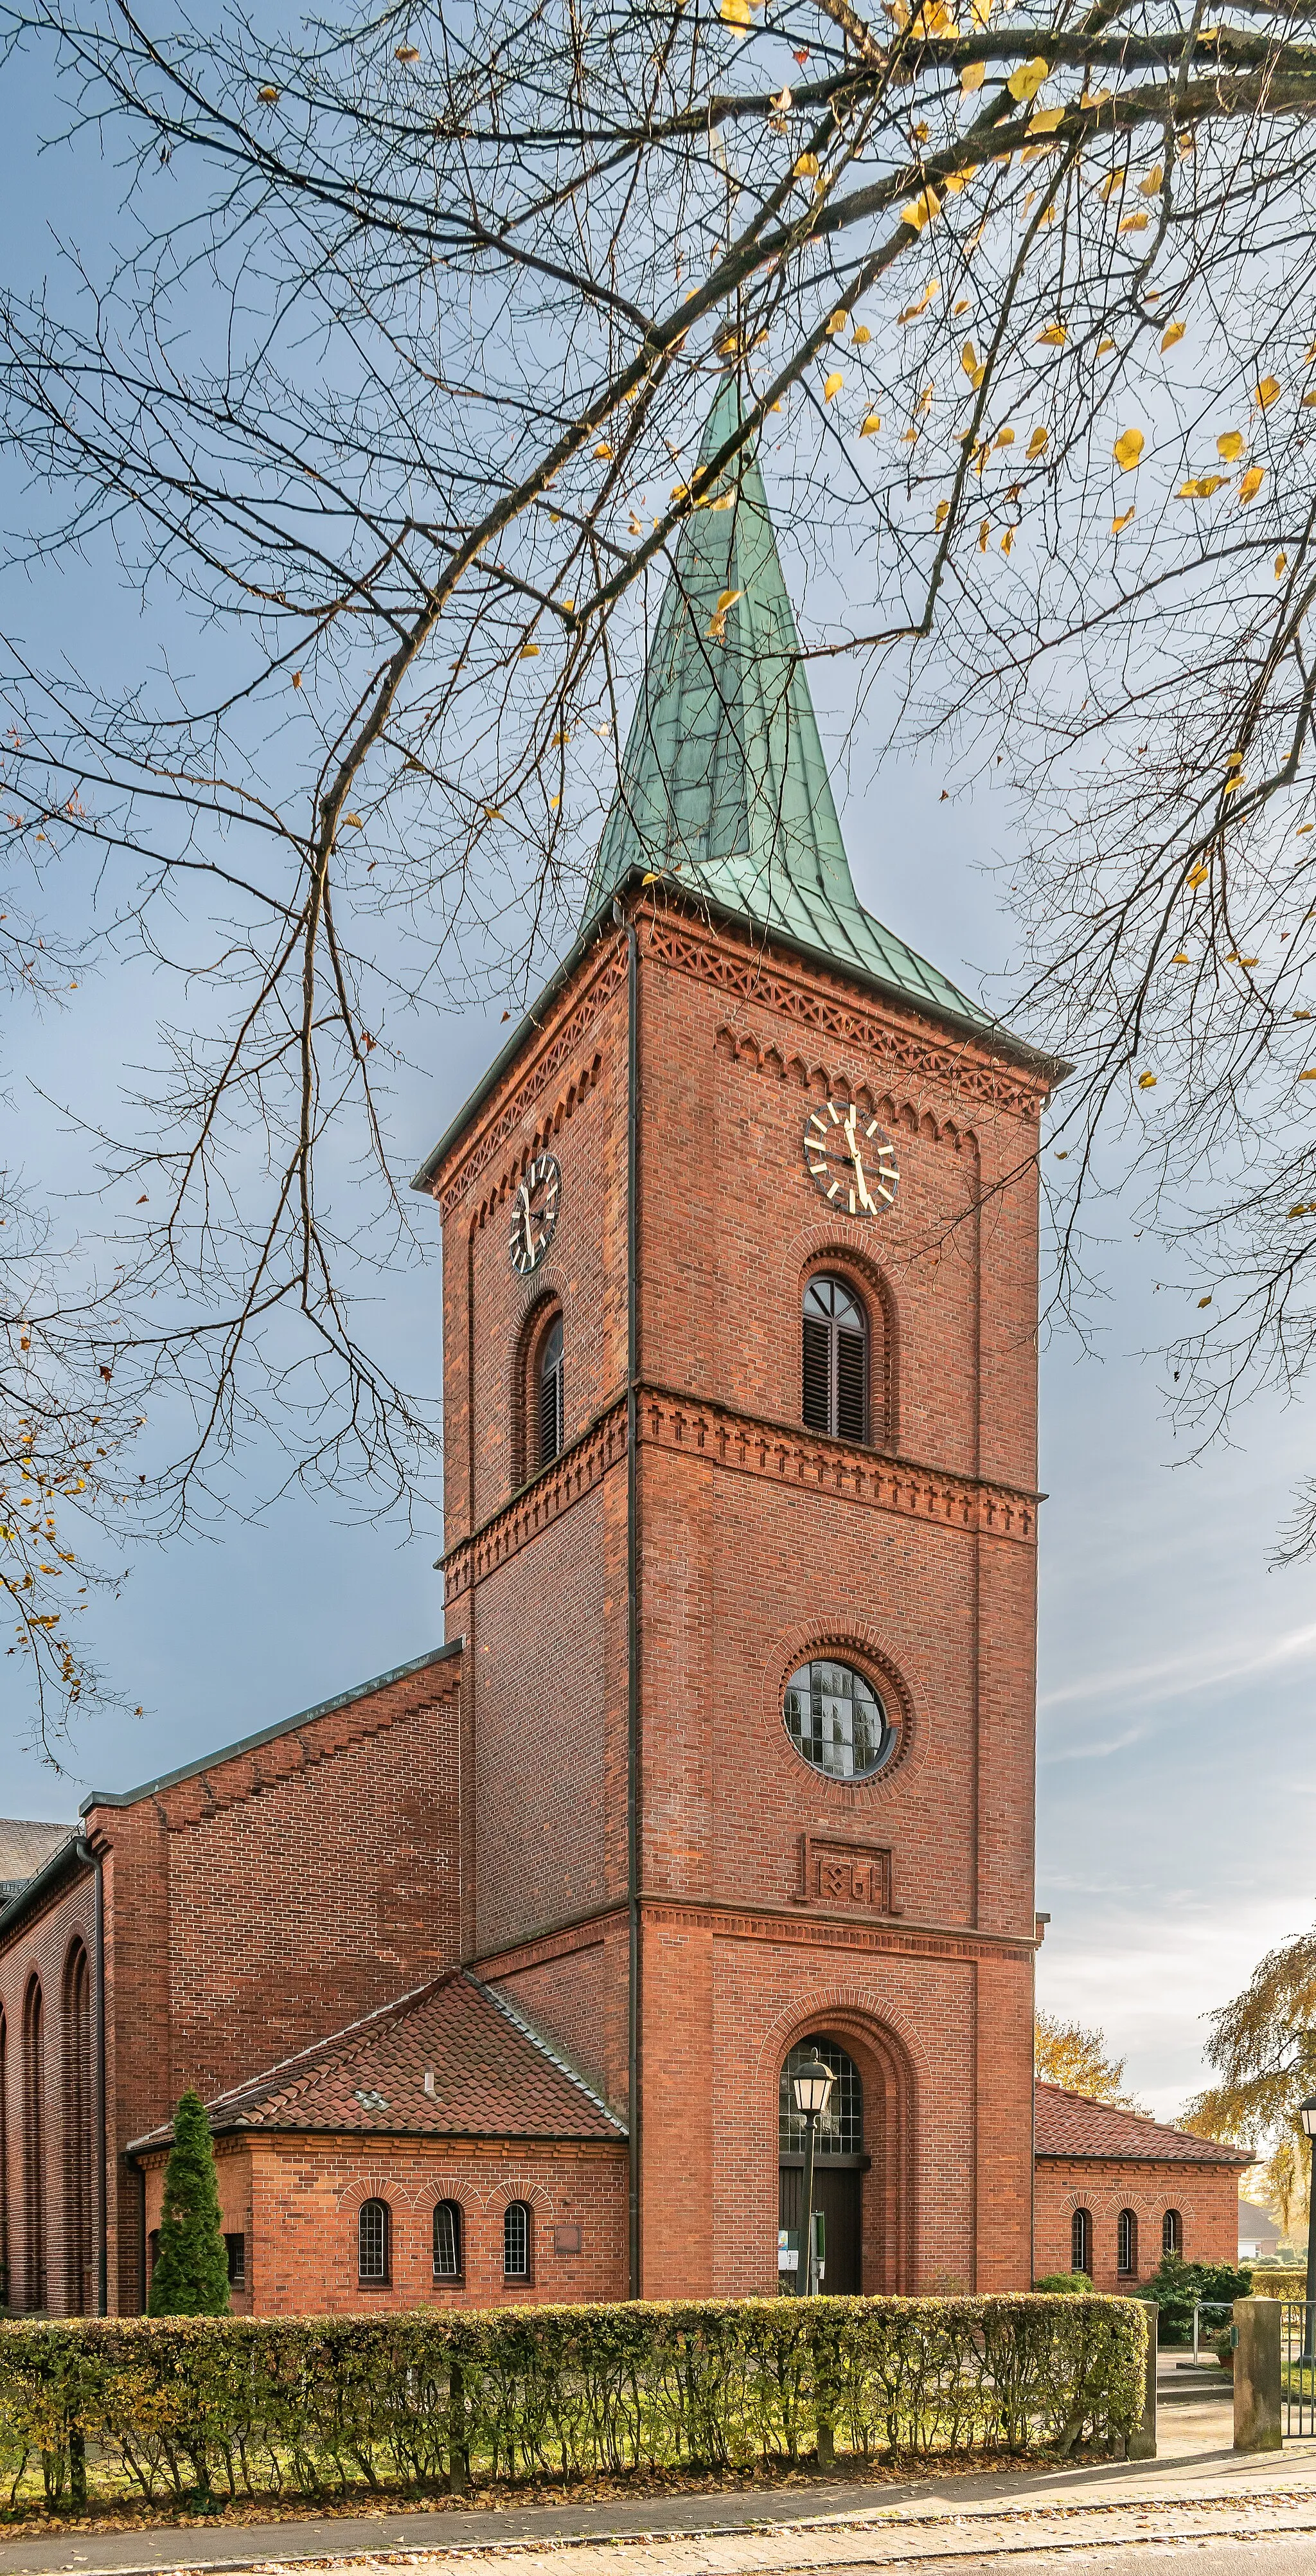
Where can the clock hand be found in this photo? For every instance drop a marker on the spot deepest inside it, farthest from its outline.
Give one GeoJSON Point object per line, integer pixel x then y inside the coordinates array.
{"type": "Point", "coordinates": [853, 1143]}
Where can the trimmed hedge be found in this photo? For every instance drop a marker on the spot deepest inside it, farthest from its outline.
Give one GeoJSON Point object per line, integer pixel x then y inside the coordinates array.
{"type": "Point", "coordinates": [166, 2409]}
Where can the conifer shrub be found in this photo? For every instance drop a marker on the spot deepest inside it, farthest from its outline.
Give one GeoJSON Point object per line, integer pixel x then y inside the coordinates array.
{"type": "Point", "coordinates": [233, 2407]}
{"type": "Point", "coordinates": [191, 2273]}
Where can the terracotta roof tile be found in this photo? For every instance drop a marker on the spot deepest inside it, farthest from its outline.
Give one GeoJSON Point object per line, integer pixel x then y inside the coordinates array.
{"type": "Point", "coordinates": [1075, 2124]}
{"type": "Point", "coordinates": [494, 2075]}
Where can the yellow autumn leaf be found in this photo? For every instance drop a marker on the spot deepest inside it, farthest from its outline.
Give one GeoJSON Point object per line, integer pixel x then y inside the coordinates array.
{"type": "Point", "coordinates": [1280, 562]}
{"type": "Point", "coordinates": [806, 167]}
{"type": "Point", "coordinates": [943, 513]}
{"type": "Point", "coordinates": [1111, 187]}
{"type": "Point", "coordinates": [1005, 437]}
{"type": "Point", "coordinates": [1146, 1082]}
{"type": "Point", "coordinates": [1230, 445]}
{"type": "Point", "coordinates": [1203, 1301]}
{"type": "Point", "coordinates": [1135, 224]}
{"type": "Point", "coordinates": [1250, 485]}
{"type": "Point", "coordinates": [836, 322]}
{"type": "Point", "coordinates": [736, 13]}
{"type": "Point", "coordinates": [1038, 440]}
{"type": "Point", "coordinates": [1201, 488]}
{"type": "Point", "coordinates": [1127, 450]}
{"type": "Point", "coordinates": [871, 422]}
{"type": "Point", "coordinates": [355, 821]}
{"type": "Point", "coordinates": [1309, 1075]}
{"type": "Point", "coordinates": [1044, 120]}
{"type": "Point", "coordinates": [493, 813]}
{"type": "Point", "coordinates": [911, 312]}
{"type": "Point", "coordinates": [1198, 875]}
{"type": "Point", "coordinates": [983, 534]}
{"type": "Point", "coordinates": [1007, 541]}
{"type": "Point", "coordinates": [862, 335]}
{"type": "Point", "coordinates": [527, 652]}
{"type": "Point", "coordinates": [972, 77]}
{"type": "Point", "coordinates": [1173, 334]}
{"type": "Point", "coordinates": [1103, 346]}
{"type": "Point", "coordinates": [969, 360]}
{"type": "Point", "coordinates": [727, 599]}
{"type": "Point", "coordinates": [603, 449]}
{"type": "Point", "coordinates": [1309, 399]}
{"type": "Point", "coordinates": [268, 94]}
{"type": "Point", "coordinates": [1054, 336]}
{"type": "Point", "coordinates": [1269, 391]}
{"type": "Point", "coordinates": [1117, 526]}
{"type": "Point", "coordinates": [1147, 187]}
{"type": "Point", "coordinates": [679, 491]}
{"type": "Point", "coordinates": [1095, 97]}
{"type": "Point", "coordinates": [555, 801]}
{"type": "Point", "coordinates": [406, 53]}
{"type": "Point", "coordinates": [1230, 786]}
{"type": "Point", "coordinates": [1181, 958]}
{"type": "Point", "coordinates": [921, 210]}
{"type": "Point", "coordinates": [832, 384]}
{"type": "Point", "coordinates": [1025, 82]}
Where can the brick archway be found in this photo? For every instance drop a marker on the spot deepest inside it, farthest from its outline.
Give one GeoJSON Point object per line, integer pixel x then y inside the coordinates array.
{"type": "Point", "coordinates": [887, 2194]}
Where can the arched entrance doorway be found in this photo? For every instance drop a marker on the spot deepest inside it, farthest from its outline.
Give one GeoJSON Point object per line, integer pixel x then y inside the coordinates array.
{"type": "Point", "coordinates": [839, 2166]}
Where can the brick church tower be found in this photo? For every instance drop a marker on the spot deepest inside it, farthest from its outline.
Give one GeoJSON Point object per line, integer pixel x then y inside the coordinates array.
{"type": "Point", "coordinates": [739, 1331]}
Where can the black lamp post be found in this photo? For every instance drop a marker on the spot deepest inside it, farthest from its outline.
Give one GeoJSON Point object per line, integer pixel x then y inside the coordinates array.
{"type": "Point", "coordinates": [811, 2085]}
{"type": "Point", "coordinates": [1307, 2115]}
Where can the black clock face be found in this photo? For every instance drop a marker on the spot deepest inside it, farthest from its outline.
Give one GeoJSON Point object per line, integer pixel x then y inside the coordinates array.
{"type": "Point", "coordinates": [850, 1159]}
{"type": "Point", "coordinates": [534, 1213]}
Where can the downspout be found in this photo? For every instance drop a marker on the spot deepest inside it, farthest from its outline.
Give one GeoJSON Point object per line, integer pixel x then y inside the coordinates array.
{"type": "Point", "coordinates": [632, 1591]}
{"type": "Point", "coordinates": [96, 1861]}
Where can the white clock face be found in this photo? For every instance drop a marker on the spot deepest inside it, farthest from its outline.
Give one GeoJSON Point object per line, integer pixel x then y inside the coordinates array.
{"type": "Point", "coordinates": [850, 1159]}
{"type": "Point", "coordinates": [534, 1213]}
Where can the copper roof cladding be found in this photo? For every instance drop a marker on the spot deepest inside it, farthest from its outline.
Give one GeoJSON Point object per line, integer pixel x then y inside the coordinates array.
{"type": "Point", "coordinates": [494, 2076]}
{"type": "Point", "coordinates": [1076, 2125]}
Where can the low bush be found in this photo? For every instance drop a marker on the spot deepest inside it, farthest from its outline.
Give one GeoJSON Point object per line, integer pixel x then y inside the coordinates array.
{"type": "Point", "coordinates": [171, 2408]}
{"type": "Point", "coordinates": [1070, 2284]}
{"type": "Point", "coordinates": [1176, 2286]}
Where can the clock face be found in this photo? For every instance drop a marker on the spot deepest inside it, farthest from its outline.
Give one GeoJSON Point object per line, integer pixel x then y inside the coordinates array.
{"type": "Point", "coordinates": [851, 1160]}
{"type": "Point", "coordinates": [534, 1213]}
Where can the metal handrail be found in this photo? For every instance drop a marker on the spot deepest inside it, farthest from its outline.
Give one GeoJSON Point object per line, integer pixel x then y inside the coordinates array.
{"type": "Point", "coordinates": [1226, 2305]}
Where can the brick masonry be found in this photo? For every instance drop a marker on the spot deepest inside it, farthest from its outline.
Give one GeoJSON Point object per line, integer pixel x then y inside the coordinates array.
{"type": "Point", "coordinates": [1205, 2196]}
{"type": "Point", "coordinates": [474, 1809]}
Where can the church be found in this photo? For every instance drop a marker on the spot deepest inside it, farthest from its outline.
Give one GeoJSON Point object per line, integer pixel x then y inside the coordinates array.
{"type": "Point", "coordinates": [493, 1971]}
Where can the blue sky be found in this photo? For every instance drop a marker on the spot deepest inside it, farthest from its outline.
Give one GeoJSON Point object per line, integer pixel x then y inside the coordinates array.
{"type": "Point", "coordinates": [1176, 1781]}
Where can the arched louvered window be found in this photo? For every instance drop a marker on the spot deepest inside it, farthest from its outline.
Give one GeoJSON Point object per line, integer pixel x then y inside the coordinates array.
{"type": "Point", "coordinates": [551, 1414]}
{"type": "Point", "coordinates": [1172, 2233]}
{"type": "Point", "coordinates": [1080, 2242]}
{"type": "Point", "coordinates": [1126, 2244]}
{"type": "Point", "coordinates": [78, 2139]}
{"type": "Point", "coordinates": [835, 1360]}
{"type": "Point", "coordinates": [34, 2149]}
{"type": "Point", "coordinates": [448, 2241]}
{"type": "Point", "coordinates": [372, 2243]}
{"type": "Point", "coordinates": [516, 2241]}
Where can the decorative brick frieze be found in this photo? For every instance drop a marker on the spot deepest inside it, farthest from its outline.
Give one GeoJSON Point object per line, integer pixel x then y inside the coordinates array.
{"type": "Point", "coordinates": [473, 1153]}
{"type": "Point", "coordinates": [759, 1055]}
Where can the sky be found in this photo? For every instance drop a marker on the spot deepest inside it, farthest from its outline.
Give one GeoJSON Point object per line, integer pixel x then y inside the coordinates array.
{"type": "Point", "coordinates": [1175, 1772]}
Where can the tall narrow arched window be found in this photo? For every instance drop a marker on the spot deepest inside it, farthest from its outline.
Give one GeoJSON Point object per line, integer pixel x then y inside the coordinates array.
{"type": "Point", "coordinates": [448, 2241]}
{"type": "Point", "coordinates": [1172, 2233]}
{"type": "Point", "coordinates": [5, 2293]}
{"type": "Point", "coordinates": [516, 2241]}
{"type": "Point", "coordinates": [835, 1360]}
{"type": "Point", "coordinates": [1126, 2245]}
{"type": "Point", "coordinates": [372, 2243]}
{"type": "Point", "coordinates": [1080, 2242]}
{"type": "Point", "coordinates": [78, 2143]}
{"type": "Point", "coordinates": [551, 1416]}
{"type": "Point", "coordinates": [34, 2148]}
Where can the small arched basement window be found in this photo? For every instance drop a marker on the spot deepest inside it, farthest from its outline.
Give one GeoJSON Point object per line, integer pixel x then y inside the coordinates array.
{"type": "Point", "coordinates": [550, 1419]}
{"type": "Point", "coordinates": [372, 2243]}
{"type": "Point", "coordinates": [448, 2241]}
{"type": "Point", "coordinates": [1080, 2242]}
{"type": "Point", "coordinates": [516, 2241]}
{"type": "Point", "coordinates": [1172, 2233]}
{"type": "Point", "coordinates": [835, 1360]}
{"type": "Point", "coordinates": [1126, 2245]}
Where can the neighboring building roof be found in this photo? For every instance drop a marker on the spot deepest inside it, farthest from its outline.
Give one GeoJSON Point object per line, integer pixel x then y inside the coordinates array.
{"type": "Point", "coordinates": [1257, 2227]}
{"type": "Point", "coordinates": [1076, 2125]}
{"type": "Point", "coordinates": [24, 1849]}
{"type": "Point", "coordinates": [493, 2075]}
{"type": "Point", "coordinates": [724, 787]}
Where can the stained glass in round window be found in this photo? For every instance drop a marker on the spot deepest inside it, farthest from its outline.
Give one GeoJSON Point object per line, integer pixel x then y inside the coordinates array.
{"type": "Point", "coordinates": [836, 1720]}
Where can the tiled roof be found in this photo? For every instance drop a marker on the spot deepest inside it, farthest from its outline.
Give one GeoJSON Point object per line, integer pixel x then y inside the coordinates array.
{"type": "Point", "coordinates": [1074, 2124]}
{"type": "Point", "coordinates": [494, 2075]}
{"type": "Point", "coordinates": [25, 1846]}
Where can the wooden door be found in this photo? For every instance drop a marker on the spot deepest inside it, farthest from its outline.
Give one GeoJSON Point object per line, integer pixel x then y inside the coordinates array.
{"type": "Point", "coordinates": [836, 2194]}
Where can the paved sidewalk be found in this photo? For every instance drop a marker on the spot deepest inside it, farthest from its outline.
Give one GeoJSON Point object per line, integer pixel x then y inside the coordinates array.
{"type": "Point", "coordinates": [1199, 2496]}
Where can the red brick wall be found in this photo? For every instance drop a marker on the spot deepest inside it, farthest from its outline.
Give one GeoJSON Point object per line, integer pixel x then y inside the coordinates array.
{"type": "Point", "coordinates": [299, 2200]}
{"type": "Point", "coordinates": [1206, 2197]}
{"type": "Point", "coordinates": [41, 1948]}
{"type": "Point", "coordinates": [752, 1554]}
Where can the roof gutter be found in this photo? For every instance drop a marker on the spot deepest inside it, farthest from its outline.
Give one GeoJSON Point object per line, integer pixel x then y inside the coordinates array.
{"type": "Point", "coordinates": [990, 1033]}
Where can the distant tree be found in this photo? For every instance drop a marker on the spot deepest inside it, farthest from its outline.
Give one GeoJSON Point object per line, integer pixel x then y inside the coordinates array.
{"type": "Point", "coordinates": [191, 2275]}
{"type": "Point", "coordinates": [1263, 2048]}
{"type": "Point", "coordinates": [1065, 2053]}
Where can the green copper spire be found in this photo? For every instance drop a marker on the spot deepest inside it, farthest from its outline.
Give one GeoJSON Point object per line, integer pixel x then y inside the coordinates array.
{"type": "Point", "coordinates": [724, 786]}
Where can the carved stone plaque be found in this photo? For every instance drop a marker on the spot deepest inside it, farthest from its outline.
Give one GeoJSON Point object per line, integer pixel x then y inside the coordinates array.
{"type": "Point", "coordinates": [851, 1876]}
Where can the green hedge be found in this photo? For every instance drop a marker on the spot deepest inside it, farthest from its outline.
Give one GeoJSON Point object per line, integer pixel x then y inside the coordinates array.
{"type": "Point", "coordinates": [168, 2408]}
